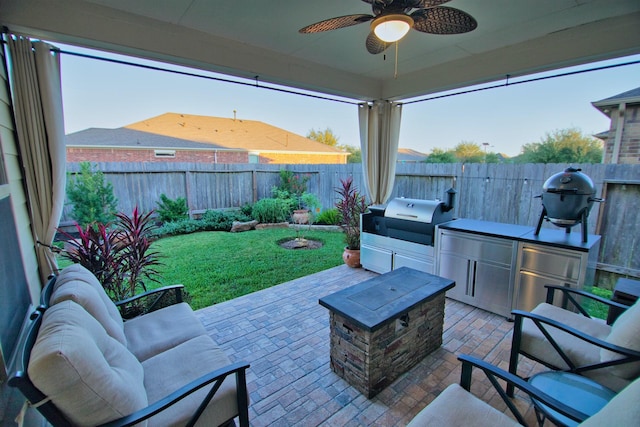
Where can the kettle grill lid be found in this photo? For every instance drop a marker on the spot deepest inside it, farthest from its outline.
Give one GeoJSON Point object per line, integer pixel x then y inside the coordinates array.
{"type": "Point", "coordinates": [570, 181]}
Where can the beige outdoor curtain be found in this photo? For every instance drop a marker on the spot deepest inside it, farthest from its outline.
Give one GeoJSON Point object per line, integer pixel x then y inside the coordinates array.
{"type": "Point", "coordinates": [37, 101]}
{"type": "Point", "coordinates": [379, 134]}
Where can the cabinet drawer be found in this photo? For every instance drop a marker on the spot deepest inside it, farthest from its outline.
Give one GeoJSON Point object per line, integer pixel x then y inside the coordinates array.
{"type": "Point", "coordinates": [424, 264]}
{"type": "Point", "coordinates": [485, 248]}
{"type": "Point", "coordinates": [550, 262]}
{"type": "Point", "coordinates": [375, 259]}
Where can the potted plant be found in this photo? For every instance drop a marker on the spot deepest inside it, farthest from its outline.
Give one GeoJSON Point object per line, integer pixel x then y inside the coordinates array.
{"type": "Point", "coordinates": [307, 205]}
{"type": "Point", "coordinates": [350, 206]}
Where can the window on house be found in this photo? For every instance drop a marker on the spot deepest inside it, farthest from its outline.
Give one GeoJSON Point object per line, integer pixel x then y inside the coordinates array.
{"type": "Point", "coordinates": [254, 157]}
{"type": "Point", "coordinates": [165, 153]}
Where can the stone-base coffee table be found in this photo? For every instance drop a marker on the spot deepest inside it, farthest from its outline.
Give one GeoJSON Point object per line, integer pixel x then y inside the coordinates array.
{"type": "Point", "coordinates": [384, 326]}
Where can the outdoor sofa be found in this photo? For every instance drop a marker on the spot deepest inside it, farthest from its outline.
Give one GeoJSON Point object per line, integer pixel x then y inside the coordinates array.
{"type": "Point", "coordinates": [83, 364]}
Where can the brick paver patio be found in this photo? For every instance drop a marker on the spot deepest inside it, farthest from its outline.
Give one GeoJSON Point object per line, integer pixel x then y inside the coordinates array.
{"type": "Point", "coordinates": [284, 334]}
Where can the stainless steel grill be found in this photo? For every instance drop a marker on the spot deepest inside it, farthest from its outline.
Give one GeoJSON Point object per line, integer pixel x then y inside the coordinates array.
{"type": "Point", "coordinates": [412, 220]}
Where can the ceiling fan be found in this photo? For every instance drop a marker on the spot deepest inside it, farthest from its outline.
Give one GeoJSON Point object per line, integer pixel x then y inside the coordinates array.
{"type": "Point", "coordinates": [392, 20]}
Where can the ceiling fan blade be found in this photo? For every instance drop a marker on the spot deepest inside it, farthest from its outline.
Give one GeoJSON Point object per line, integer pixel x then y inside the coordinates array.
{"type": "Point", "coordinates": [423, 4]}
{"type": "Point", "coordinates": [375, 45]}
{"type": "Point", "coordinates": [409, 3]}
{"type": "Point", "coordinates": [443, 20]}
{"type": "Point", "coordinates": [335, 23]}
{"type": "Point", "coordinates": [380, 2]}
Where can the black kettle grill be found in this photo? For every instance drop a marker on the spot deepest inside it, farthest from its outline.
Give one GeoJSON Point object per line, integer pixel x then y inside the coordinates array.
{"type": "Point", "coordinates": [567, 198]}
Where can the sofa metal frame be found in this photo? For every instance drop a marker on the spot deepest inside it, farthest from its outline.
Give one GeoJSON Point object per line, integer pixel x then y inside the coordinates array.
{"type": "Point", "coordinates": [20, 377]}
{"type": "Point", "coordinates": [494, 374]}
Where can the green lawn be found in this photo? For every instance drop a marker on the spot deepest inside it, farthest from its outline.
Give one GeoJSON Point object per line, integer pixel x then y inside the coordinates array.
{"type": "Point", "coordinates": [217, 266]}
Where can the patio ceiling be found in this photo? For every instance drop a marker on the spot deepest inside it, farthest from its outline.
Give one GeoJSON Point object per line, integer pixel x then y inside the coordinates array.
{"type": "Point", "coordinates": [258, 38]}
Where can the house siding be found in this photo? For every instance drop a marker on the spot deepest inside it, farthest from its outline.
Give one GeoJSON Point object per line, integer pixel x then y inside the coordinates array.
{"type": "Point", "coordinates": [303, 158]}
{"type": "Point", "coordinates": [12, 186]}
{"type": "Point", "coordinates": [630, 141]}
{"type": "Point", "coordinates": [99, 155]}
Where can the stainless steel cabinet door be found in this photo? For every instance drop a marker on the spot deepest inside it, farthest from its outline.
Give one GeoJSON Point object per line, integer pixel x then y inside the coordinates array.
{"type": "Point", "coordinates": [457, 268]}
{"type": "Point", "coordinates": [531, 290]}
{"type": "Point", "coordinates": [492, 287]}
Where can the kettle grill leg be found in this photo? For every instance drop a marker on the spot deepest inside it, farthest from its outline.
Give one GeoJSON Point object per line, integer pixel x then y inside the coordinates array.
{"type": "Point", "coordinates": [542, 215]}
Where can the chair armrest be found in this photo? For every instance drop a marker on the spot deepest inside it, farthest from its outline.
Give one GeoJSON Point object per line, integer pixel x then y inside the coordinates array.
{"type": "Point", "coordinates": [568, 292]}
{"type": "Point", "coordinates": [539, 321]}
{"type": "Point", "coordinates": [153, 300]}
{"type": "Point", "coordinates": [493, 373]}
{"type": "Point", "coordinates": [217, 376]}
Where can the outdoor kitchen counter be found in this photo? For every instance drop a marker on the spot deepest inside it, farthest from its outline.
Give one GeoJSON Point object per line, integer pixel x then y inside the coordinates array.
{"type": "Point", "coordinates": [522, 233]}
{"type": "Point", "coordinates": [501, 267]}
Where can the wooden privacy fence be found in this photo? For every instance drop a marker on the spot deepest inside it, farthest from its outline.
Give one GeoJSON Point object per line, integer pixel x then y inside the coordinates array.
{"type": "Point", "coordinates": [491, 192]}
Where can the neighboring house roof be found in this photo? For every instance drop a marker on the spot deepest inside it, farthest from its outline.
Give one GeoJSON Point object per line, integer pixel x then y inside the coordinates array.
{"type": "Point", "coordinates": [230, 133]}
{"type": "Point", "coordinates": [602, 135]}
{"type": "Point", "coordinates": [629, 97]}
{"type": "Point", "coordinates": [128, 138]}
{"type": "Point", "coordinates": [409, 155]}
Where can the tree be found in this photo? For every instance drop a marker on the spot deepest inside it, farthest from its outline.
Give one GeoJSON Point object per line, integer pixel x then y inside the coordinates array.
{"type": "Point", "coordinates": [469, 152]}
{"type": "Point", "coordinates": [356, 153]}
{"type": "Point", "coordinates": [440, 156]}
{"type": "Point", "coordinates": [492, 158]}
{"type": "Point", "coordinates": [326, 137]}
{"type": "Point", "coordinates": [92, 198]}
{"type": "Point", "coordinates": [563, 146]}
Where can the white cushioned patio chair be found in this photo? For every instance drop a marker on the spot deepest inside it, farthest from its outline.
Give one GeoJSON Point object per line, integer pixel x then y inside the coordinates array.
{"type": "Point", "coordinates": [456, 406]}
{"type": "Point", "coordinates": [75, 374]}
{"type": "Point", "coordinates": [568, 339]}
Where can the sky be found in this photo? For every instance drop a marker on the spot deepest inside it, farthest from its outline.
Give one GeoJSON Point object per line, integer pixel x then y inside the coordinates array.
{"type": "Point", "coordinates": [98, 94]}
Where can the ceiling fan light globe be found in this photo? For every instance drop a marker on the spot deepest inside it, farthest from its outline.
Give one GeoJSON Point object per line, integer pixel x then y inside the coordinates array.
{"type": "Point", "coordinates": [391, 28]}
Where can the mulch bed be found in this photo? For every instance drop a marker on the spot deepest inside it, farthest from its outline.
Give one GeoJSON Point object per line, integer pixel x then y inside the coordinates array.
{"type": "Point", "coordinates": [301, 244]}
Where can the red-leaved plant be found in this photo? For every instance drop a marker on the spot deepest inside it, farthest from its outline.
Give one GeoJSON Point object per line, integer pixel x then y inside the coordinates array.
{"type": "Point", "coordinates": [350, 206]}
{"type": "Point", "coordinates": [118, 254]}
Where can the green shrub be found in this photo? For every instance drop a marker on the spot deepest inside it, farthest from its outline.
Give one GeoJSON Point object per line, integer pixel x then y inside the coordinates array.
{"type": "Point", "coordinates": [246, 210]}
{"type": "Point", "coordinates": [329, 217]}
{"type": "Point", "coordinates": [119, 256]}
{"type": "Point", "coordinates": [184, 226]}
{"type": "Point", "coordinates": [92, 198]}
{"type": "Point", "coordinates": [211, 220]}
{"type": "Point", "coordinates": [172, 210]}
{"type": "Point", "coordinates": [222, 220]}
{"type": "Point", "coordinates": [271, 210]}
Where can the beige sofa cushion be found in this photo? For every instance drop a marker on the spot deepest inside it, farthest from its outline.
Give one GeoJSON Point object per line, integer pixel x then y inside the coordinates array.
{"type": "Point", "coordinates": [160, 330]}
{"type": "Point", "coordinates": [145, 336]}
{"type": "Point", "coordinates": [174, 368]}
{"type": "Point", "coordinates": [457, 407]}
{"type": "Point", "coordinates": [85, 294]}
{"type": "Point", "coordinates": [89, 376]}
{"type": "Point", "coordinates": [622, 411]}
{"type": "Point", "coordinates": [625, 332]}
{"type": "Point", "coordinates": [78, 272]}
{"type": "Point", "coordinates": [581, 352]}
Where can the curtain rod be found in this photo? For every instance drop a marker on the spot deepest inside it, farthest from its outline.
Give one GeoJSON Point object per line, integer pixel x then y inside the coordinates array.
{"type": "Point", "coordinates": [189, 74]}
{"type": "Point", "coordinates": [534, 79]}
{"type": "Point", "coordinates": [5, 30]}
